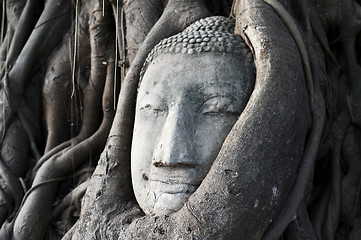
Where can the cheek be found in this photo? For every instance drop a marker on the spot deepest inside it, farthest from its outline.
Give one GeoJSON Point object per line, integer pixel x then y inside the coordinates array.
{"type": "Point", "coordinates": [141, 148]}
{"type": "Point", "coordinates": [140, 162]}
{"type": "Point", "coordinates": [145, 135]}
{"type": "Point", "coordinates": [210, 135]}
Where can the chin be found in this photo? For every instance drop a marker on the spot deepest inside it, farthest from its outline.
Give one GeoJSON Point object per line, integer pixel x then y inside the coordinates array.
{"type": "Point", "coordinates": [168, 203]}
{"type": "Point", "coordinates": [165, 195]}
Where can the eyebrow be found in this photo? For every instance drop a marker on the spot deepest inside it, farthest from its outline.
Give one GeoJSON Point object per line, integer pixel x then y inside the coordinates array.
{"type": "Point", "coordinates": [204, 85]}
{"type": "Point", "coordinates": [148, 91]}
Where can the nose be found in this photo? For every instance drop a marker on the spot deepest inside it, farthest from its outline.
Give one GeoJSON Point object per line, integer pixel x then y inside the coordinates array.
{"type": "Point", "coordinates": [175, 146]}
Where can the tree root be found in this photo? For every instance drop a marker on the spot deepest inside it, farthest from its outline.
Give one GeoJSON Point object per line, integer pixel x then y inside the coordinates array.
{"type": "Point", "coordinates": [11, 193]}
{"type": "Point", "coordinates": [141, 15]}
{"type": "Point", "coordinates": [22, 32]}
{"type": "Point", "coordinates": [351, 182]}
{"type": "Point", "coordinates": [289, 211]}
{"type": "Point", "coordinates": [6, 207]}
{"type": "Point", "coordinates": [57, 166]}
{"type": "Point", "coordinates": [13, 13]}
{"type": "Point", "coordinates": [56, 98]}
{"type": "Point", "coordinates": [92, 92]}
{"type": "Point", "coordinates": [302, 227]}
{"type": "Point", "coordinates": [15, 148]}
{"type": "Point", "coordinates": [13, 183]}
{"type": "Point", "coordinates": [55, 180]}
{"type": "Point", "coordinates": [296, 34]}
{"type": "Point", "coordinates": [43, 38]}
{"type": "Point", "coordinates": [326, 211]}
{"type": "Point", "coordinates": [351, 27]}
{"type": "Point", "coordinates": [74, 197]}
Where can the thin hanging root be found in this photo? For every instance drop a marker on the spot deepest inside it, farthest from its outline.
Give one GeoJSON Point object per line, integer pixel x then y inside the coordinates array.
{"type": "Point", "coordinates": [4, 47]}
{"type": "Point", "coordinates": [66, 220]}
{"type": "Point", "coordinates": [75, 46]}
{"type": "Point", "coordinates": [2, 23]}
{"type": "Point", "coordinates": [116, 51]}
{"type": "Point", "coordinates": [289, 210]}
{"type": "Point", "coordinates": [103, 8]}
{"type": "Point", "coordinates": [40, 198]}
{"type": "Point", "coordinates": [8, 112]}
{"type": "Point", "coordinates": [122, 50]}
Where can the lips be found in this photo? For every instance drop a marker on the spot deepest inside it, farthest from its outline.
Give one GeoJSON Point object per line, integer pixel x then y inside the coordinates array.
{"type": "Point", "coordinates": [173, 185]}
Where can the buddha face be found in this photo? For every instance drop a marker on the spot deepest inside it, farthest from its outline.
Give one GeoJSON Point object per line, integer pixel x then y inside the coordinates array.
{"type": "Point", "coordinates": [185, 108]}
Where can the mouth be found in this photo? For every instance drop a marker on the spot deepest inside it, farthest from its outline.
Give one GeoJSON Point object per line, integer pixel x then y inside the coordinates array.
{"type": "Point", "coordinates": [173, 185]}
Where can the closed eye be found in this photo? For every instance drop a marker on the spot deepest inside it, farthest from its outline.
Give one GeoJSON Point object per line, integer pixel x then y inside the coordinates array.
{"type": "Point", "coordinates": [220, 105]}
{"type": "Point", "coordinates": [152, 109]}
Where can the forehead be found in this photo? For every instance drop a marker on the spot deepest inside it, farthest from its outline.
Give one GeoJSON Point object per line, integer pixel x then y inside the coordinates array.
{"type": "Point", "coordinates": [177, 70]}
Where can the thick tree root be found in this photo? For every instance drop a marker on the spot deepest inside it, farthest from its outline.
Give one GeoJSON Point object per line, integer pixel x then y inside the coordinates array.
{"type": "Point", "coordinates": [56, 98]}
{"type": "Point", "coordinates": [27, 223]}
{"type": "Point", "coordinates": [288, 212]}
{"type": "Point", "coordinates": [56, 167]}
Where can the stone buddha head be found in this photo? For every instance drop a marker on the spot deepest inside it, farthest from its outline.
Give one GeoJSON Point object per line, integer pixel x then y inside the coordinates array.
{"type": "Point", "coordinates": [193, 88]}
